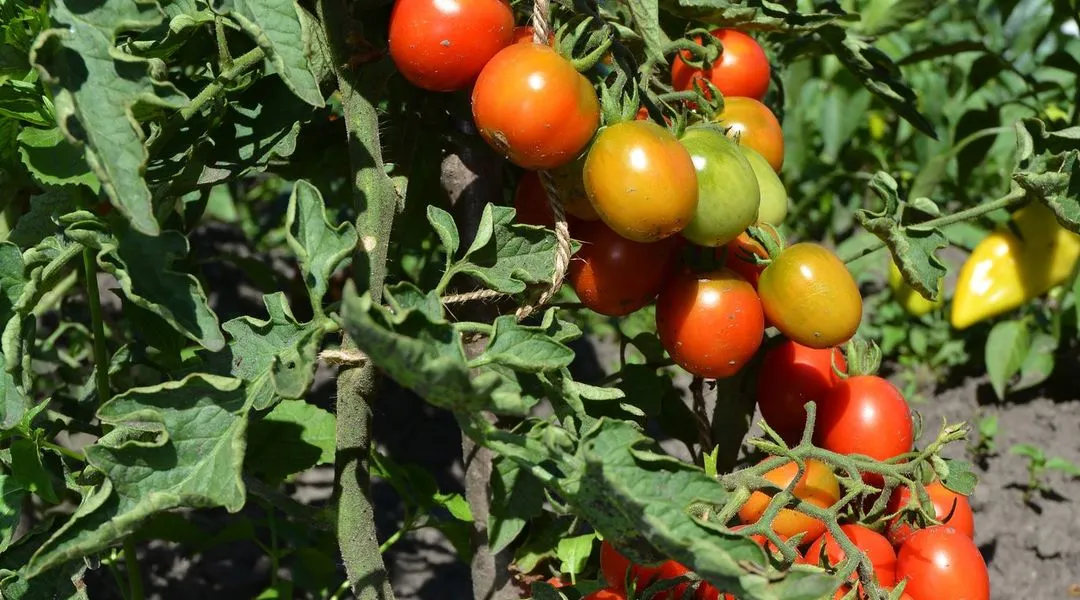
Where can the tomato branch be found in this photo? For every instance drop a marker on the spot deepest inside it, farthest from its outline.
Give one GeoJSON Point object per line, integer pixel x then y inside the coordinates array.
{"type": "Point", "coordinates": [376, 200]}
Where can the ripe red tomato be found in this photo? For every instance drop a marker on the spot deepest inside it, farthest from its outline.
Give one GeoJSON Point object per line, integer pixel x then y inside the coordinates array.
{"type": "Point", "coordinates": [614, 567]}
{"type": "Point", "coordinates": [532, 106]}
{"type": "Point", "coordinates": [670, 570]}
{"type": "Point", "coordinates": [599, 271]}
{"type": "Point", "coordinates": [817, 486]}
{"type": "Point", "coordinates": [707, 592]}
{"type": "Point", "coordinates": [711, 324]}
{"type": "Point", "coordinates": [947, 503]}
{"type": "Point", "coordinates": [791, 375]}
{"type": "Point", "coordinates": [941, 562]}
{"type": "Point", "coordinates": [442, 45]}
{"type": "Point", "coordinates": [742, 69]}
{"type": "Point", "coordinates": [755, 126]}
{"type": "Point", "coordinates": [608, 594]}
{"type": "Point", "coordinates": [641, 181]}
{"type": "Point", "coordinates": [872, 543]}
{"type": "Point", "coordinates": [810, 296]}
{"type": "Point", "coordinates": [867, 415]}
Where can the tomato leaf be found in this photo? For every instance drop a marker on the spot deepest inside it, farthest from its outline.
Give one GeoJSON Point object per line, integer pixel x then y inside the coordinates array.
{"type": "Point", "coordinates": [646, 15]}
{"type": "Point", "coordinates": [28, 470]}
{"type": "Point", "coordinates": [523, 348]}
{"type": "Point", "coordinates": [517, 497]}
{"type": "Point", "coordinates": [1039, 362]}
{"type": "Point", "coordinates": [1006, 348]}
{"type": "Point", "coordinates": [913, 247]}
{"type": "Point", "coordinates": [53, 160]}
{"type": "Point", "coordinates": [11, 506]}
{"type": "Point", "coordinates": [94, 103]}
{"type": "Point", "coordinates": [22, 100]}
{"type": "Point", "coordinates": [506, 256]}
{"type": "Point", "coordinates": [275, 26]}
{"type": "Point", "coordinates": [574, 552]}
{"type": "Point", "coordinates": [275, 358]}
{"type": "Point", "coordinates": [1048, 168]}
{"type": "Point", "coordinates": [292, 437]}
{"type": "Point", "coordinates": [190, 433]}
{"type": "Point", "coordinates": [142, 264]}
{"type": "Point", "coordinates": [40, 222]}
{"type": "Point", "coordinates": [962, 478]}
{"type": "Point", "coordinates": [319, 245]}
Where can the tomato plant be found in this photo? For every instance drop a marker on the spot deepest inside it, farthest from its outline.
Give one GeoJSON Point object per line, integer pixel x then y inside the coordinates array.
{"type": "Point", "coordinates": [532, 106]}
{"type": "Point", "coordinates": [641, 181]}
{"type": "Point", "coordinates": [941, 562]}
{"type": "Point", "coordinates": [341, 321]}
{"type": "Point", "coordinates": [711, 324]}
{"type": "Point", "coordinates": [810, 296]}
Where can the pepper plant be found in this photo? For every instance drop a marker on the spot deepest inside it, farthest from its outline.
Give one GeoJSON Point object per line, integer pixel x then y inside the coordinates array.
{"type": "Point", "coordinates": [146, 146]}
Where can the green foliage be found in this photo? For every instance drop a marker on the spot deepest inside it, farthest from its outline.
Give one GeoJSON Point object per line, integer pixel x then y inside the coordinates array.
{"type": "Point", "coordinates": [1038, 467]}
{"type": "Point", "coordinates": [206, 162]}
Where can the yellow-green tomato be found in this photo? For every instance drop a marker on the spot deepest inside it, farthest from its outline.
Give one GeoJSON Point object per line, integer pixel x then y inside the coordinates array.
{"type": "Point", "coordinates": [774, 199]}
{"type": "Point", "coordinates": [728, 194]}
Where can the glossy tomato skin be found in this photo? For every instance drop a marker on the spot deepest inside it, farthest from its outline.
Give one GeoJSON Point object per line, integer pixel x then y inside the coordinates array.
{"type": "Point", "coordinates": [809, 295]}
{"type": "Point", "coordinates": [442, 45]}
{"type": "Point", "coordinates": [774, 199]}
{"type": "Point", "coordinates": [867, 415]}
{"type": "Point", "coordinates": [615, 276]}
{"type": "Point", "coordinates": [754, 125]}
{"type": "Point", "coordinates": [641, 181]}
{"type": "Point", "coordinates": [569, 180]}
{"type": "Point", "coordinates": [711, 324]}
{"type": "Point", "coordinates": [872, 543]}
{"type": "Point", "coordinates": [670, 570]}
{"type": "Point", "coordinates": [792, 375]}
{"type": "Point", "coordinates": [533, 107]}
{"type": "Point", "coordinates": [947, 503]}
{"type": "Point", "coordinates": [940, 562]}
{"type": "Point", "coordinates": [728, 194]}
{"type": "Point", "coordinates": [817, 486]}
{"type": "Point", "coordinates": [742, 70]}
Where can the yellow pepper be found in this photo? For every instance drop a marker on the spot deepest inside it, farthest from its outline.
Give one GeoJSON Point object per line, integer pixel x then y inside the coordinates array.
{"type": "Point", "coordinates": [911, 300]}
{"type": "Point", "coordinates": [1004, 271]}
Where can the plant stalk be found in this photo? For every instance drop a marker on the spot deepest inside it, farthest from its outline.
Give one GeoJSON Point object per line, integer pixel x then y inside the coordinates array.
{"type": "Point", "coordinates": [376, 201]}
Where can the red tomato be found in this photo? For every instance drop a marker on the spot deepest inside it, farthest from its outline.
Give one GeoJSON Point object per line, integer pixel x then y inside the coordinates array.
{"type": "Point", "coordinates": [614, 567]}
{"type": "Point", "coordinates": [608, 594]}
{"type": "Point", "coordinates": [707, 592]}
{"type": "Point", "coordinates": [532, 106]}
{"type": "Point", "coordinates": [946, 502]}
{"type": "Point", "coordinates": [872, 543]}
{"type": "Point", "coordinates": [710, 324]}
{"type": "Point", "coordinates": [791, 375]}
{"type": "Point", "coordinates": [670, 570]}
{"type": "Point", "coordinates": [940, 562]}
{"type": "Point", "coordinates": [810, 296]}
{"type": "Point", "coordinates": [866, 415]}
{"type": "Point", "coordinates": [817, 486]}
{"type": "Point", "coordinates": [755, 126]}
{"type": "Point", "coordinates": [442, 45]}
{"type": "Point", "coordinates": [742, 69]}
{"type": "Point", "coordinates": [600, 271]}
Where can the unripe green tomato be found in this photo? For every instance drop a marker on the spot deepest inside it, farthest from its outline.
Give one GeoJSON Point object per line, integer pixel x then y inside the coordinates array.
{"type": "Point", "coordinates": [728, 194]}
{"type": "Point", "coordinates": [774, 199]}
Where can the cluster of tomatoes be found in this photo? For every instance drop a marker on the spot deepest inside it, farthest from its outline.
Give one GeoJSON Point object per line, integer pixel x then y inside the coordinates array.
{"type": "Point", "coordinates": [639, 199]}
